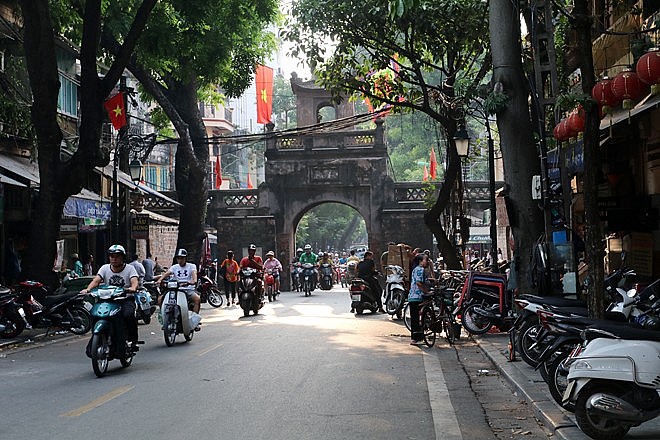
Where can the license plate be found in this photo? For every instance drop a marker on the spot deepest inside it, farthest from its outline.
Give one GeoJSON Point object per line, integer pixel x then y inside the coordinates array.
{"type": "Point", "coordinates": [171, 299]}
{"type": "Point", "coordinates": [357, 297]}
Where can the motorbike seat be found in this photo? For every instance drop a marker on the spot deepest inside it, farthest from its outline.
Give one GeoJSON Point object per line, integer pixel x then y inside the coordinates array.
{"type": "Point", "coordinates": [620, 331]}
{"type": "Point", "coordinates": [553, 301]}
{"type": "Point", "coordinates": [579, 311]}
{"type": "Point", "coordinates": [50, 300]}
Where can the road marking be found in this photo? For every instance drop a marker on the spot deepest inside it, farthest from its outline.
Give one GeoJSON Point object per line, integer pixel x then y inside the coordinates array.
{"type": "Point", "coordinates": [202, 353]}
{"type": "Point", "coordinates": [444, 417]}
{"type": "Point", "coordinates": [98, 402]}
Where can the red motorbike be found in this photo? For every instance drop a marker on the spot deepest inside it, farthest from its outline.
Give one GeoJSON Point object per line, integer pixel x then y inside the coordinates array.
{"type": "Point", "coordinates": [11, 321]}
{"type": "Point", "coordinates": [209, 291]}
{"type": "Point", "coordinates": [269, 280]}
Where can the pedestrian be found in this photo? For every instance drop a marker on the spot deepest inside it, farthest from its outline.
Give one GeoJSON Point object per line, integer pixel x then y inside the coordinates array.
{"type": "Point", "coordinates": [418, 288]}
{"type": "Point", "coordinates": [229, 272]}
{"type": "Point", "coordinates": [158, 269]}
{"type": "Point", "coordinates": [149, 265]}
{"type": "Point", "coordinates": [139, 268]}
{"type": "Point", "coordinates": [77, 266]}
{"type": "Point", "coordinates": [88, 268]}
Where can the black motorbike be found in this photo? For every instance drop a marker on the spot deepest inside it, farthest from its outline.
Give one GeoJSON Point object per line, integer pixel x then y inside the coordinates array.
{"type": "Point", "coordinates": [247, 285]}
{"type": "Point", "coordinates": [11, 322]}
{"type": "Point", "coordinates": [325, 275]}
{"type": "Point", "coordinates": [362, 298]}
{"type": "Point", "coordinates": [66, 310]}
{"type": "Point", "coordinates": [307, 278]}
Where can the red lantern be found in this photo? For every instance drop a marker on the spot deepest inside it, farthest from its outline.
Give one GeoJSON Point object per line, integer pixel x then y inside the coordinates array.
{"type": "Point", "coordinates": [602, 93]}
{"type": "Point", "coordinates": [648, 69]}
{"type": "Point", "coordinates": [563, 130]}
{"type": "Point", "coordinates": [627, 86]}
{"type": "Point", "coordinates": [576, 119]}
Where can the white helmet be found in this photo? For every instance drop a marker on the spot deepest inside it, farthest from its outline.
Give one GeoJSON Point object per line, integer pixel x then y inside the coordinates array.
{"type": "Point", "coordinates": [117, 249]}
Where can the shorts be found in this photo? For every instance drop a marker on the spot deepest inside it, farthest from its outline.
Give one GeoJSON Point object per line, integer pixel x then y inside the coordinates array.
{"type": "Point", "coordinates": [190, 293]}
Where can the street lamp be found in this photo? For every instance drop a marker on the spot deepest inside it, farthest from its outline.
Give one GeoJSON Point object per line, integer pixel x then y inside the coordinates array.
{"type": "Point", "coordinates": [135, 169]}
{"type": "Point", "coordinates": [462, 141]}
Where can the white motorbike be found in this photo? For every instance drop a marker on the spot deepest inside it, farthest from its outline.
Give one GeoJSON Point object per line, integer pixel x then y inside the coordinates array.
{"type": "Point", "coordinates": [613, 383]}
{"type": "Point", "coordinates": [176, 314]}
{"type": "Point", "coordinates": [395, 294]}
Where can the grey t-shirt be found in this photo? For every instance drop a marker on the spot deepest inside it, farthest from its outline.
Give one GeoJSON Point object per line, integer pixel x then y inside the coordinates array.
{"type": "Point", "coordinates": [118, 279]}
{"type": "Point", "coordinates": [148, 269]}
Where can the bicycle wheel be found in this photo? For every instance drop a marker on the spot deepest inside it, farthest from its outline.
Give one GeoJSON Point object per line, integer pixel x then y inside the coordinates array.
{"type": "Point", "coordinates": [449, 327]}
{"type": "Point", "coordinates": [406, 316]}
{"type": "Point", "coordinates": [428, 320]}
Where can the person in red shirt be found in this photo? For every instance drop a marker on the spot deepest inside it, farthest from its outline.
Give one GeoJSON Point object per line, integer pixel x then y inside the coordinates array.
{"type": "Point", "coordinates": [255, 262]}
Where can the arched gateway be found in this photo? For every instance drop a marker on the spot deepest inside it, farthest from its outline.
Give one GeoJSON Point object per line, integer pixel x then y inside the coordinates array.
{"type": "Point", "coordinates": [303, 171]}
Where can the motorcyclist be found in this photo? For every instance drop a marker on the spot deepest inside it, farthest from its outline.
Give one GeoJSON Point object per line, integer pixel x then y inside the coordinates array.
{"type": "Point", "coordinates": [118, 273]}
{"type": "Point", "coordinates": [276, 267]}
{"type": "Point", "coordinates": [367, 271]}
{"type": "Point", "coordinates": [255, 262]}
{"type": "Point", "coordinates": [295, 260]}
{"type": "Point", "coordinates": [310, 257]}
{"type": "Point", "coordinates": [326, 258]}
{"type": "Point", "coordinates": [183, 272]}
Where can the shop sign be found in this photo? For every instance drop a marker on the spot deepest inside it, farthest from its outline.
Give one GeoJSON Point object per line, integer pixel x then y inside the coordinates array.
{"type": "Point", "coordinates": [83, 208]}
{"type": "Point", "coordinates": [140, 227]}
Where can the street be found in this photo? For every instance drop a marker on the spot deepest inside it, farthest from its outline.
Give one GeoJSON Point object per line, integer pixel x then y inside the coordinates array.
{"type": "Point", "coordinates": [304, 368]}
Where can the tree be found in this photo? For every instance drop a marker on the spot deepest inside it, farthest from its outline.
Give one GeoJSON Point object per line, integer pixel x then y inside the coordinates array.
{"type": "Point", "coordinates": [61, 178]}
{"type": "Point", "coordinates": [197, 50]}
{"type": "Point", "coordinates": [415, 55]}
{"type": "Point", "coordinates": [284, 103]}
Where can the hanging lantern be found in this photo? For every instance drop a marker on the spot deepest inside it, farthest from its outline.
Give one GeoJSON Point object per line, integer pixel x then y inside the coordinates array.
{"type": "Point", "coordinates": [627, 87]}
{"type": "Point", "coordinates": [563, 130]}
{"type": "Point", "coordinates": [602, 93]}
{"type": "Point", "coordinates": [576, 119]}
{"type": "Point", "coordinates": [555, 132]}
{"type": "Point", "coordinates": [648, 69]}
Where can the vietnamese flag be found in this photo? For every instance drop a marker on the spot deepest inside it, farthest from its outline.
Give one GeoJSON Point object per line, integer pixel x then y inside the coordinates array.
{"type": "Point", "coordinates": [218, 173]}
{"type": "Point", "coordinates": [116, 110]}
{"type": "Point", "coordinates": [434, 165]}
{"type": "Point", "coordinates": [264, 83]}
{"type": "Point", "coordinates": [249, 182]}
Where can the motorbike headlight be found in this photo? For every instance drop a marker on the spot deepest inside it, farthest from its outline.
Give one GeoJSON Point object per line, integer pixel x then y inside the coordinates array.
{"type": "Point", "coordinates": [172, 284]}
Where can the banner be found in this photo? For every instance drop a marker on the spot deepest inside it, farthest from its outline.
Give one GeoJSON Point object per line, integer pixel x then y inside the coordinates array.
{"type": "Point", "coordinates": [218, 173]}
{"type": "Point", "coordinates": [84, 208]}
{"type": "Point", "coordinates": [264, 82]}
{"type": "Point", "coordinates": [115, 108]}
{"type": "Point", "coordinates": [434, 165]}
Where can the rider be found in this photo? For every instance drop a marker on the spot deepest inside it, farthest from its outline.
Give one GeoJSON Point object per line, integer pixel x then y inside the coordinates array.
{"type": "Point", "coordinates": [326, 258]}
{"type": "Point", "coordinates": [255, 262]}
{"type": "Point", "coordinates": [310, 257]}
{"type": "Point", "coordinates": [367, 271]}
{"type": "Point", "coordinates": [183, 272]}
{"type": "Point", "coordinates": [118, 273]}
{"type": "Point", "coordinates": [275, 265]}
{"type": "Point", "coordinates": [295, 260]}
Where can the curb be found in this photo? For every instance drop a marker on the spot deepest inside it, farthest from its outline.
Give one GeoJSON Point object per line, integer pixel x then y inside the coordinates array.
{"type": "Point", "coordinates": [529, 384]}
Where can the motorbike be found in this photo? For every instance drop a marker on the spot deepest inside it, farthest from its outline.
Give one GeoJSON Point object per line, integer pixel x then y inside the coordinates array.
{"type": "Point", "coordinates": [343, 276]}
{"type": "Point", "coordinates": [485, 302]}
{"type": "Point", "coordinates": [108, 339]}
{"type": "Point", "coordinates": [248, 298]}
{"type": "Point", "coordinates": [308, 278]}
{"type": "Point", "coordinates": [209, 292]}
{"type": "Point", "coordinates": [145, 305]}
{"type": "Point", "coordinates": [362, 298]}
{"type": "Point", "coordinates": [395, 293]}
{"type": "Point", "coordinates": [325, 275]}
{"type": "Point", "coordinates": [61, 309]}
{"type": "Point", "coordinates": [351, 271]}
{"type": "Point", "coordinates": [269, 281]}
{"type": "Point", "coordinates": [613, 382]}
{"type": "Point", "coordinates": [296, 274]}
{"type": "Point", "coordinates": [178, 318]}
{"type": "Point", "coordinates": [11, 321]}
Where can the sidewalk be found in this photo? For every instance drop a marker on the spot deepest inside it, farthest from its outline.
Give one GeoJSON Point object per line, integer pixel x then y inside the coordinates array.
{"type": "Point", "coordinates": [33, 338]}
{"type": "Point", "coordinates": [530, 385]}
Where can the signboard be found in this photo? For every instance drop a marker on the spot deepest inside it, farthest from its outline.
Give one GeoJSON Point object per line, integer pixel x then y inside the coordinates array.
{"type": "Point", "coordinates": [140, 227]}
{"type": "Point", "coordinates": [83, 208]}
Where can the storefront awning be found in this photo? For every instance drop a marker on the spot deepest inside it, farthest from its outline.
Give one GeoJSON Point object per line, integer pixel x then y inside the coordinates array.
{"type": "Point", "coordinates": [21, 167]}
{"type": "Point", "coordinates": [157, 217]}
{"type": "Point", "coordinates": [87, 204]}
{"type": "Point", "coordinates": [9, 181]}
{"type": "Point", "coordinates": [622, 115]}
{"type": "Point", "coordinates": [126, 180]}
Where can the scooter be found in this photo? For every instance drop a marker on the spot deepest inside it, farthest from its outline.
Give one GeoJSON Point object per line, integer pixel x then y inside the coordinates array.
{"type": "Point", "coordinates": [145, 305]}
{"type": "Point", "coordinates": [176, 314]}
{"type": "Point", "coordinates": [362, 298]}
{"type": "Point", "coordinates": [108, 339]}
{"type": "Point", "coordinates": [613, 382]}
{"type": "Point", "coordinates": [325, 273]}
{"type": "Point", "coordinates": [209, 292]}
{"type": "Point", "coordinates": [269, 280]}
{"type": "Point", "coordinates": [343, 276]}
{"type": "Point", "coordinates": [485, 302]}
{"type": "Point", "coordinates": [308, 278]}
{"type": "Point", "coordinates": [11, 321]}
{"type": "Point", "coordinates": [296, 271]}
{"type": "Point", "coordinates": [395, 293]}
{"type": "Point", "coordinates": [248, 298]}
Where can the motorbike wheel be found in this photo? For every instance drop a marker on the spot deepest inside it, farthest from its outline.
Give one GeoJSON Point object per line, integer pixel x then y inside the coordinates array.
{"type": "Point", "coordinates": [188, 337]}
{"type": "Point", "coordinates": [13, 322]}
{"type": "Point", "coordinates": [406, 316]}
{"type": "Point", "coordinates": [100, 352]}
{"type": "Point", "coordinates": [475, 323]}
{"type": "Point", "coordinates": [449, 328]}
{"type": "Point", "coordinates": [215, 297]}
{"type": "Point", "coordinates": [391, 302]}
{"type": "Point", "coordinates": [81, 320]}
{"type": "Point", "coordinates": [269, 291]}
{"type": "Point", "coordinates": [558, 381]}
{"type": "Point", "coordinates": [146, 319]}
{"type": "Point", "coordinates": [126, 361]}
{"type": "Point", "coordinates": [169, 329]}
{"type": "Point", "coordinates": [428, 317]}
{"type": "Point", "coordinates": [526, 342]}
{"type": "Point", "coordinates": [359, 310]}
{"type": "Point", "coordinates": [597, 425]}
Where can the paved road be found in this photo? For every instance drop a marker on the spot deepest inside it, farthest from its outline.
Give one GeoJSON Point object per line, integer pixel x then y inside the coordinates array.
{"type": "Point", "coordinates": [304, 368]}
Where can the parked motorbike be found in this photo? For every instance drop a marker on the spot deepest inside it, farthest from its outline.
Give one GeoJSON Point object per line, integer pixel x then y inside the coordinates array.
{"type": "Point", "coordinates": [42, 309]}
{"type": "Point", "coordinates": [613, 382]}
{"type": "Point", "coordinates": [248, 298]}
{"type": "Point", "coordinates": [11, 321]}
{"type": "Point", "coordinates": [145, 305]}
{"type": "Point", "coordinates": [269, 280]}
{"type": "Point", "coordinates": [362, 298]}
{"type": "Point", "coordinates": [395, 294]}
{"type": "Point", "coordinates": [209, 291]}
{"type": "Point", "coordinates": [485, 302]}
{"type": "Point", "coordinates": [108, 339]}
{"type": "Point", "coordinates": [325, 275]}
{"type": "Point", "coordinates": [178, 318]}
{"type": "Point", "coordinates": [308, 278]}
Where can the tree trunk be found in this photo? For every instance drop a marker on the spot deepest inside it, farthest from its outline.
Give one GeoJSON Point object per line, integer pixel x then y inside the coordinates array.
{"type": "Point", "coordinates": [520, 155]}
{"type": "Point", "coordinates": [593, 235]}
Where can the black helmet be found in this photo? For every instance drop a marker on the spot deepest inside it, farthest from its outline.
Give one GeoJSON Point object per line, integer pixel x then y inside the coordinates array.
{"type": "Point", "coordinates": [181, 253]}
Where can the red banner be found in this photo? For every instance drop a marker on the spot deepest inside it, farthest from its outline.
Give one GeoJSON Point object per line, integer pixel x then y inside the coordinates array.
{"type": "Point", "coordinates": [116, 110]}
{"type": "Point", "coordinates": [218, 173]}
{"type": "Point", "coordinates": [264, 82]}
{"type": "Point", "coordinates": [434, 165]}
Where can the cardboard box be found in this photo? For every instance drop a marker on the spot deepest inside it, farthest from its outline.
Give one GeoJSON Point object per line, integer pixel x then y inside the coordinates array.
{"type": "Point", "coordinates": [397, 255]}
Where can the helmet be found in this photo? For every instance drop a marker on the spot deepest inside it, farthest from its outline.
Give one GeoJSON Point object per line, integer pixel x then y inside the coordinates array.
{"type": "Point", "coordinates": [321, 254]}
{"type": "Point", "coordinates": [299, 251]}
{"type": "Point", "coordinates": [117, 249]}
{"type": "Point", "coordinates": [270, 253]}
{"type": "Point", "coordinates": [308, 247]}
{"type": "Point", "coordinates": [181, 253]}
{"type": "Point", "coordinates": [252, 247]}
{"type": "Point", "coordinates": [336, 254]}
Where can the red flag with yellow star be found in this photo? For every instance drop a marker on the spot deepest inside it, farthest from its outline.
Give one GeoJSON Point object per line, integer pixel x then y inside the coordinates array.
{"type": "Point", "coordinates": [116, 110]}
{"type": "Point", "coordinates": [264, 82]}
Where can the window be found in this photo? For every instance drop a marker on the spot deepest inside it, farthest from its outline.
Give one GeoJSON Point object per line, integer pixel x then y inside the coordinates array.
{"type": "Point", "coordinates": [67, 100]}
